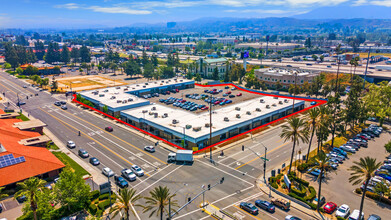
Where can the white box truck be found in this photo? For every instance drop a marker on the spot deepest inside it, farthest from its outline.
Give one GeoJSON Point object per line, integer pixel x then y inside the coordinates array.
{"type": "Point", "coordinates": [181, 156]}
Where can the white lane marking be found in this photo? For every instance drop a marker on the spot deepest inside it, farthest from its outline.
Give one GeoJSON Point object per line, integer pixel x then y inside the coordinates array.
{"type": "Point", "coordinates": [158, 180]}
{"type": "Point", "coordinates": [108, 139]}
{"type": "Point", "coordinates": [152, 175]}
{"type": "Point", "coordinates": [105, 155]}
{"type": "Point", "coordinates": [231, 156]}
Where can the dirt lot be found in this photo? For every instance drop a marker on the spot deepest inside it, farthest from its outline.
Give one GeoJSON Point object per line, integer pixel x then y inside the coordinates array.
{"type": "Point", "coordinates": [200, 90]}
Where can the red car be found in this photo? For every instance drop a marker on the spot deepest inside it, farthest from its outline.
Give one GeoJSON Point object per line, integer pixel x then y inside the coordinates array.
{"type": "Point", "coordinates": [329, 207]}
{"type": "Point", "coordinates": [239, 94]}
{"type": "Point", "coordinates": [229, 92]}
{"type": "Point", "coordinates": [109, 129]}
{"type": "Point", "coordinates": [176, 90]}
{"type": "Point", "coordinates": [205, 108]}
{"type": "Point", "coordinates": [363, 137]}
{"type": "Point", "coordinates": [216, 102]}
{"type": "Point", "coordinates": [168, 92]}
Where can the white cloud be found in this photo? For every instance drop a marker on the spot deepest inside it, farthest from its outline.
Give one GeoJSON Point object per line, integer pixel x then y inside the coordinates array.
{"type": "Point", "coordinates": [68, 6]}
{"type": "Point", "coordinates": [119, 10]}
{"type": "Point", "coordinates": [386, 3]}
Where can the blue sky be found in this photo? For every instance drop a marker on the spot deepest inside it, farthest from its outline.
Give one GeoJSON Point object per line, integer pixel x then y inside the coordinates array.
{"type": "Point", "coordinates": [94, 13]}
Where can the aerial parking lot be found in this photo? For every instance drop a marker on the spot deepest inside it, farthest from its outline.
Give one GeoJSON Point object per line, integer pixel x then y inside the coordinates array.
{"type": "Point", "coordinates": [198, 99]}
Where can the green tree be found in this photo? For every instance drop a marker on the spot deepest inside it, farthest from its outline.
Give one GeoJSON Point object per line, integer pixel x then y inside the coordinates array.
{"type": "Point", "coordinates": [321, 58]}
{"type": "Point", "coordinates": [322, 163]}
{"type": "Point", "coordinates": [388, 147]}
{"type": "Point", "coordinates": [2, 195]}
{"type": "Point", "coordinates": [45, 82]}
{"type": "Point", "coordinates": [382, 188]}
{"type": "Point", "coordinates": [85, 55]}
{"type": "Point", "coordinates": [30, 70]}
{"type": "Point", "coordinates": [105, 109]}
{"type": "Point", "coordinates": [71, 191]}
{"type": "Point", "coordinates": [314, 57]}
{"type": "Point", "coordinates": [126, 199]}
{"type": "Point", "coordinates": [361, 172]}
{"type": "Point", "coordinates": [167, 72]}
{"type": "Point", "coordinates": [313, 119]}
{"type": "Point", "coordinates": [154, 61]}
{"type": "Point", "coordinates": [75, 55]}
{"type": "Point", "coordinates": [148, 70]}
{"type": "Point", "coordinates": [198, 77]}
{"type": "Point", "coordinates": [215, 75]}
{"type": "Point", "coordinates": [295, 131]}
{"type": "Point", "coordinates": [158, 201]}
{"type": "Point", "coordinates": [30, 188]}
{"type": "Point", "coordinates": [19, 71]}
{"type": "Point", "coordinates": [65, 54]}
{"type": "Point", "coordinates": [54, 85]}
{"type": "Point", "coordinates": [7, 66]}
{"type": "Point", "coordinates": [11, 56]}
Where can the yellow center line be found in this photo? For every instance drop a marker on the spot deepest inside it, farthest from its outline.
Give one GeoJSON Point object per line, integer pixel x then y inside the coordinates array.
{"type": "Point", "coordinates": [90, 138]}
{"type": "Point", "coordinates": [280, 140]}
{"type": "Point", "coordinates": [18, 85]}
{"type": "Point", "coordinates": [113, 135]}
{"type": "Point", "coordinates": [262, 155]}
{"type": "Point", "coordinates": [8, 89]}
{"type": "Point", "coordinates": [248, 213]}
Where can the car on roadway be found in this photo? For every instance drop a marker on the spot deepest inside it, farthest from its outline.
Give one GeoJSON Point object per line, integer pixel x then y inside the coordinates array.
{"type": "Point", "coordinates": [64, 107]}
{"type": "Point", "coordinates": [63, 102]}
{"type": "Point", "coordinates": [248, 207]}
{"type": "Point", "coordinates": [137, 170]}
{"type": "Point", "coordinates": [150, 149]}
{"type": "Point", "coordinates": [343, 211]}
{"type": "Point", "coordinates": [128, 174]}
{"type": "Point", "coordinates": [57, 103]}
{"type": "Point", "coordinates": [313, 103]}
{"type": "Point", "coordinates": [83, 153]}
{"type": "Point", "coordinates": [109, 129]}
{"type": "Point", "coordinates": [71, 144]}
{"type": "Point", "coordinates": [374, 217]}
{"type": "Point", "coordinates": [265, 205]}
{"type": "Point", "coordinates": [291, 217]}
{"type": "Point", "coordinates": [20, 103]}
{"type": "Point", "coordinates": [281, 203]}
{"type": "Point", "coordinates": [120, 181]}
{"type": "Point", "coordinates": [24, 86]}
{"type": "Point", "coordinates": [330, 207]}
{"type": "Point", "coordinates": [94, 161]}
{"type": "Point", "coordinates": [355, 214]}
{"type": "Point", "coordinates": [107, 172]}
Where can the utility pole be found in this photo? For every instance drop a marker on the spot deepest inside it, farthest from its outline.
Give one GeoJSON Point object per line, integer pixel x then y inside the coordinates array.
{"type": "Point", "coordinates": [169, 201]}
{"type": "Point", "coordinates": [366, 67]}
{"type": "Point", "coordinates": [210, 129]}
{"type": "Point", "coordinates": [294, 94]}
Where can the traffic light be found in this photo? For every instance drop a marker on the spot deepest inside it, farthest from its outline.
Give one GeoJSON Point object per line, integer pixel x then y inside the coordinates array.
{"type": "Point", "coordinates": [264, 165]}
{"type": "Point", "coordinates": [222, 180]}
{"type": "Point", "coordinates": [242, 147]}
{"type": "Point", "coordinates": [208, 186]}
{"type": "Point", "coordinates": [189, 199]}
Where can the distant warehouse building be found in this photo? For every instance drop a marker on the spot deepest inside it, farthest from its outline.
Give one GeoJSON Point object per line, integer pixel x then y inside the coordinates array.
{"type": "Point", "coordinates": [285, 76]}
{"type": "Point", "coordinates": [126, 97]}
{"type": "Point", "coordinates": [206, 67]}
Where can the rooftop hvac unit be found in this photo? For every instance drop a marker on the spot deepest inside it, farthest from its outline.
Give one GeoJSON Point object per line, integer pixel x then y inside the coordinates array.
{"type": "Point", "coordinates": [258, 109]}
{"type": "Point", "coordinates": [174, 121]}
{"type": "Point", "coordinates": [144, 86]}
{"type": "Point", "coordinates": [153, 108]}
{"type": "Point", "coordinates": [237, 116]}
{"type": "Point", "coordinates": [165, 115]}
{"type": "Point", "coordinates": [181, 80]}
{"type": "Point", "coordinates": [226, 119]}
{"type": "Point", "coordinates": [280, 102]}
{"type": "Point", "coordinates": [188, 126]}
{"type": "Point", "coordinates": [119, 101]}
{"type": "Point", "coordinates": [137, 85]}
{"type": "Point", "coordinates": [274, 105]}
{"type": "Point", "coordinates": [146, 83]}
{"type": "Point", "coordinates": [197, 129]}
{"type": "Point", "coordinates": [237, 108]}
{"type": "Point", "coordinates": [125, 89]}
{"type": "Point", "coordinates": [106, 90]}
{"type": "Point", "coordinates": [155, 115]}
{"type": "Point", "coordinates": [144, 111]}
{"type": "Point", "coordinates": [248, 112]}
{"type": "Point", "coordinates": [286, 100]}
{"type": "Point", "coordinates": [101, 95]}
{"type": "Point", "coordinates": [118, 87]}
{"type": "Point", "coordinates": [130, 100]}
{"type": "Point", "coordinates": [124, 101]}
{"type": "Point", "coordinates": [207, 125]}
{"type": "Point", "coordinates": [113, 97]}
{"type": "Point", "coordinates": [275, 97]}
{"type": "Point", "coordinates": [267, 106]}
{"type": "Point", "coordinates": [151, 113]}
{"type": "Point", "coordinates": [155, 82]}
{"type": "Point", "coordinates": [262, 101]}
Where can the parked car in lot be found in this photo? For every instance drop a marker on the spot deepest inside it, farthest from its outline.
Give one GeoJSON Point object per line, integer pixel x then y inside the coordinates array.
{"type": "Point", "coordinates": [120, 181]}
{"type": "Point", "coordinates": [322, 200]}
{"type": "Point", "coordinates": [355, 214]}
{"type": "Point", "coordinates": [128, 174]}
{"type": "Point", "coordinates": [150, 149]}
{"type": "Point", "coordinates": [71, 144]}
{"type": "Point", "coordinates": [330, 207]}
{"type": "Point", "coordinates": [231, 96]}
{"type": "Point", "coordinates": [109, 129]}
{"type": "Point", "coordinates": [83, 153]}
{"type": "Point", "coordinates": [248, 207]}
{"type": "Point", "coordinates": [343, 211]}
{"type": "Point", "coordinates": [21, 199]}
{"type": "Point", "coordinates": [239, 94]}
{"type": "Point", "coordinates": [291, 217]}
{"type": "Point", "coordinates": [265, 205]}
{"type": "Point", "coordinates": [107, 172]}
{"type": "Point", "coordinates": [94, 161]}
{"type": "Point", "coordinates": [137, 170]}
{"type": "Point", "coordinates": [313, 103]}
{"type": "Point", "coordinates": [374, 217]}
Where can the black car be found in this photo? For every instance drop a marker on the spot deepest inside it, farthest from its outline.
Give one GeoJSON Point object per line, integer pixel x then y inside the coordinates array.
{"type": "Point", "coordinates": [21, 199]}
{"type": "Point", "coordinates": [63, 102]}
{"type": "Point", "coordinates": [94, 161]}
{"type": "Point", "coordinates": [374, 217]}
{"type": "Point", "coordinates": [265, 205]}
{"type": "Point", "coordinates": [57, 103]}
{"type": "Point", "coordinates": [1, 208]}
{"type": "Point", "coordinates": [231, 96]}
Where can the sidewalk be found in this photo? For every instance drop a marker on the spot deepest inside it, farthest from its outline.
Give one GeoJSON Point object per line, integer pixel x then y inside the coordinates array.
{"type": "Point", "coordinates": [213, 211]}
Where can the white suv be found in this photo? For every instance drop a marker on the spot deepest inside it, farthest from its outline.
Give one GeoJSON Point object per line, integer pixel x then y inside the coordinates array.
{"type": "Point", "coordinates": [137, 170]}
{"type": "Point", "coordinates": [71, 144]}
{"type": "Point", "coordinates": [107, 172]}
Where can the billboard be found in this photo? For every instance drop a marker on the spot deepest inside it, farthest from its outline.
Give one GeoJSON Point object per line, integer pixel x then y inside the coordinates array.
{"type": "Point", "coordinates": [244, 55]}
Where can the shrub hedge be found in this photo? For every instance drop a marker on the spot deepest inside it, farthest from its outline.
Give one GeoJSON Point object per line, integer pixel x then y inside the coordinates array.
{"type": "Point", "coordinates": [93, 209]}
{"type": "Point", "coordinates": [374, 196]}
{"type": "Point", "coordinates": [94, 194]}
{"type": "Point", "coordinates": [303, 167]}
{"type": "Point", "coordinates": [301, 193]}
{"type": "Point", "coordinates": [312, 194]}
{"type": "Point", "coordinates": [103, 205]}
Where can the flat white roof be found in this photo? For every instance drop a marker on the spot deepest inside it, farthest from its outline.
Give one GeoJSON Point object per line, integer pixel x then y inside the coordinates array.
{"type": "Point", "coordinates": [199, 120]}
{"type": "Point", "coordinates": [282, 72]}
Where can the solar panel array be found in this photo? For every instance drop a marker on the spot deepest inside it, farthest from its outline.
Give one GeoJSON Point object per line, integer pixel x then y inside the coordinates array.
{"type": "Point", "coordinates": [9, 160]}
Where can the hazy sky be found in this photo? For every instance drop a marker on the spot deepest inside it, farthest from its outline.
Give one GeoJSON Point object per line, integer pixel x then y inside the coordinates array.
{"type": "Point", "coordinates": [93, 13]}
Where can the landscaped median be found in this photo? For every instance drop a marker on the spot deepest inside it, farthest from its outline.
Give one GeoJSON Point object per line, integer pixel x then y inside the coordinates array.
{"type": "Point", "coordinates": [99, 203]}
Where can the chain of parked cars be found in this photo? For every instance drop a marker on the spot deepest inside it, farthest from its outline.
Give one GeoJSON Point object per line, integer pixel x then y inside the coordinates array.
{"type": "Point", "coordinates": [339, 154]}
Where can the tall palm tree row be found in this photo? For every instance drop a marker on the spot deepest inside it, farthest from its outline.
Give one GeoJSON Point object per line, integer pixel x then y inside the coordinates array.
{"type": "Point", "coordinates": [29, 188]}
{"type": "Point", "coordinates": [313, 116]}
{"type": "Point", "coordinates": [126, 199]}
{"type": "Point", "coordinates": [158, 201]}
{"type": "Point", "coordinates": [295, 130]}
{"type": "Point", "coordinates": [361, 172]}
{"type": "Point", "coordinates": [322, 129]}
{"type": "Point", "coordinates": [322, 163]}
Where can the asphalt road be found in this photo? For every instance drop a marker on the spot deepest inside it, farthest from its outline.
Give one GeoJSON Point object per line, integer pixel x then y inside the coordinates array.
{"type": "Point", "coordinates": [121, 148]}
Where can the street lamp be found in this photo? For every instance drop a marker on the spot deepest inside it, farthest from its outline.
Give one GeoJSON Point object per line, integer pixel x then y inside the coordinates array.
{"type": "Point", "coordinates": [169, 201]}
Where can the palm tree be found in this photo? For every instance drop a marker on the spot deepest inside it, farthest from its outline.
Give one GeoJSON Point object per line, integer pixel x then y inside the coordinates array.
{"type": "Point", "coordinates": [2, 195]}
{"type": "Point", "coordinates": [312, 118]}
{"type": "Point", "coordinates": [322, 163]}
{"type": "Point", "coordinates": [125, 200]}
{"type": "Point", "coordinates": [158, 201]}
{"type": "Point", "coordinates": [294, 131]}
{"type": "Point", "coordinates": [361, 172]}
{"type": "Point", "coordinates": [322, 129]}
{"type": "Point", "coordinates": [29, 188]}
